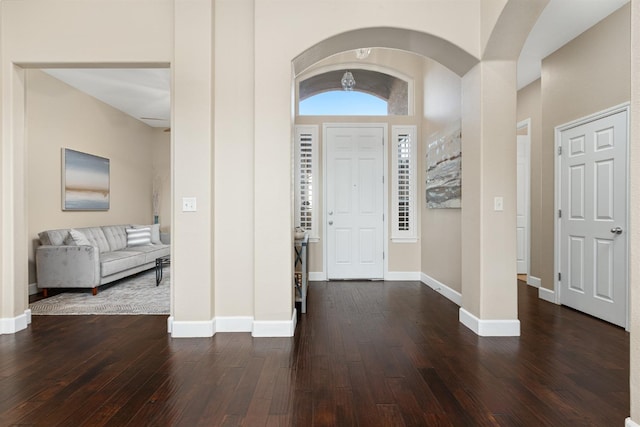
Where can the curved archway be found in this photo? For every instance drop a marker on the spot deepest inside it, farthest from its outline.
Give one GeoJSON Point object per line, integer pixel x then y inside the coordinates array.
{"type": "Point", "coordinates": [443, 51]}
{"type": "Point", "coordinates": [448, 34]}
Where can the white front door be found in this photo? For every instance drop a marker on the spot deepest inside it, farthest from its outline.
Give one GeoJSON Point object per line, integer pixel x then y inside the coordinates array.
{"type": "Point", "coordinates": [522, 205]}
{"type": "Point", "coordinates": [593, 217]}
{"type": "Point", "coordinates": [354, 202]}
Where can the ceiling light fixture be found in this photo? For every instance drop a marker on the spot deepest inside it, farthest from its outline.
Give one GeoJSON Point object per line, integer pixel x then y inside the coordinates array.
{"type": "Point", "coordinates": [348, 82]}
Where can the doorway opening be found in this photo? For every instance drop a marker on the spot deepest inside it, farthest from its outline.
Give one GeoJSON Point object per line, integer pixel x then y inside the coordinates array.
{"type": "Point", "coordinates": [523, 198]}
{"type": "Point", "coordinates": [119, 114]}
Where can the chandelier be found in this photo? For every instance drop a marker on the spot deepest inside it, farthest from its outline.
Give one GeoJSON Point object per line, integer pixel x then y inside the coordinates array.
{"type": "Point", "coordinates": [348, 82]}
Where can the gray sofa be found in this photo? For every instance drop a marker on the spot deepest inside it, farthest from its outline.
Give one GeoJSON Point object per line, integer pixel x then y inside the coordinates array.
{"type": "Point", "coordinates": [102, 258]}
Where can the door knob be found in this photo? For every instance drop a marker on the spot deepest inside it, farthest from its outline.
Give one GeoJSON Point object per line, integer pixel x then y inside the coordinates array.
{"type": "Point", "coordinates": [616, 230]}
{"type": "Point", "coordinates": [330, 222]}
{"type": "Point", "coordinates": [330, 212]}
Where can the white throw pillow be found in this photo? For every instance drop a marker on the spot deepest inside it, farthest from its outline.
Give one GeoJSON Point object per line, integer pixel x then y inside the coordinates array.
{"type": "Point", "coordinates": [77, 238]}
{"type": "Point", "coordinates": [138, 236]}
{"type": "Point", "coordinates": [155, 232]}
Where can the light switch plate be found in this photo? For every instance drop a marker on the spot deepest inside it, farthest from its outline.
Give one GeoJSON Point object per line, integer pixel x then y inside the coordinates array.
{"type": "Point", "coordinates": [188, 204]}
{"type": "Point", "coordinates": [498, 203]}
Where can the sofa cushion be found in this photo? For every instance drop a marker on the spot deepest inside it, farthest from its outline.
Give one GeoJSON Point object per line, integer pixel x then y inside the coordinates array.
{"type": "Point", "coordinates": [76, 238]}
{"type": "Point", "coordinates": [96, 238]}
{"type": "Point", "coordinates": [53, 237]}
{"type": "Point", "coordinates": [138, 237]}
{"type": "Point", "coordinates": [117, 261]}
{"type": "Point", "coordinates": [155, 232]}
{"type": "Point", "coordinates": [151, 252]}
{"type": "Point", "coordinates": [116, 236]}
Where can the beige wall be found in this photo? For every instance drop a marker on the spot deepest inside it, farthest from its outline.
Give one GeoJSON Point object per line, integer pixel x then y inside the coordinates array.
{"type": "Point", "coordinates": [403, 257]}
{"type": "Point", "coordinates": [234, 160]}
{"type": "Point", "coordinates": [59, 116]}
{"type": "Point", "coordinates": [530, 107]}
{"type": "Point", "coordinates": [441, 228]}
{"type": "Point", "coordinates": [589, 74]}
{"type": "Point", "coordinates": [161, 173]}
{"type": "Point", "coordinates": [489, 289]}
{"type": "Point", "coordinates": [192, 150]}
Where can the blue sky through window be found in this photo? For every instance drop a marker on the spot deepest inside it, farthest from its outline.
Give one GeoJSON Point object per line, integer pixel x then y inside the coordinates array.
{"type": "Point", "coordinates": [343, 103]}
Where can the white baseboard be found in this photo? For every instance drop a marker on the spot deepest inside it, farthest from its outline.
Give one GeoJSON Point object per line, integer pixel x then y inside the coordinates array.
{"type": "Point", "coordinates": [33, 288]}
{"type": "Point", "coordinates": [317, 276]}
{"type": "Point", "coordinates": [275, 328]}
{"type": "Point", "coordinates": [192, 329]}
{"type": "Point", "coordinates": [490, 328]}
{"type": "Point", "coordinates": [547, 295]}
{"type": "Point", "coordinates": [447, 292]}
{"type": "Point", "coordinates": [630, 423]}
{"type": "Point", "coordinates": [11, 325]}
{"type": "Point", "coordinates": [534, 281]}
{"type": "Point", "coordinates": [396, 276]}
{"type": "Point", "coordinates": [234, 324]}
{"type": "Point", "coordinates": [204, 329]}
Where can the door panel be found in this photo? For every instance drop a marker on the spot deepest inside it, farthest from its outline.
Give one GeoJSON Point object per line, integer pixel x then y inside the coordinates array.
{"type": "Point", "coordinates": [354, 202]}
{"type": "Point", "coordinates": [594, 196]}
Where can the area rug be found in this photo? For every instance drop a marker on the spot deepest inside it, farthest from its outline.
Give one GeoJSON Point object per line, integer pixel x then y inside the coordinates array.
{"type": "Point", "coordinates": [135, 295]}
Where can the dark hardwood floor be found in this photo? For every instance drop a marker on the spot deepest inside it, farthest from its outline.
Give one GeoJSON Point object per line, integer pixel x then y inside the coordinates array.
{"type": "Point", "coordinates": [366, 354]}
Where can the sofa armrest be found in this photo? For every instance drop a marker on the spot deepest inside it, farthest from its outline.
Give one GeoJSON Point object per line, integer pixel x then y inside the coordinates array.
{"type": "Point", "coordinates": [68, 266]}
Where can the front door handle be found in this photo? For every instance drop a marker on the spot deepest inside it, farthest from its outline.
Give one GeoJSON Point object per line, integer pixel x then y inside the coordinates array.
{"type": "Point", "coordinates": [330, 222]}
{"type": "Point", "coordinates": [616, 230]}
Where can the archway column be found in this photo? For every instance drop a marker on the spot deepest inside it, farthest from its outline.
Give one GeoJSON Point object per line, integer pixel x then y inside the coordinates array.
{"type": "Point", "coordinates": [489, 286]}
{"type": "Point", "coordinates": [274, 313]}
{"type": "Point", "coordinates": [13, 252]}
{"type": "Point", "coordinates": [193, 299]}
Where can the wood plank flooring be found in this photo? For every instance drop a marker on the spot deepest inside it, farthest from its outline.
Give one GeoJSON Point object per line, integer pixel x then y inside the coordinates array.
{"type": "Point", "coordinates": [365, 354]}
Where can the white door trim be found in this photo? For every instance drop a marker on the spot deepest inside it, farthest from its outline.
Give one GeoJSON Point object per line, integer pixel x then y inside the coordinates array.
{"type": "Point", "coordinates": [385, 198]}
{"type": "Point", "coordinates": [558, 196]}
{"type": "Point", "coordinates": [527, 123]}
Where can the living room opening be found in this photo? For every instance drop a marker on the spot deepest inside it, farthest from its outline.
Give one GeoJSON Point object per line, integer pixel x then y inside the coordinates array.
{"type": "Point", "coordinates": [113, 124]}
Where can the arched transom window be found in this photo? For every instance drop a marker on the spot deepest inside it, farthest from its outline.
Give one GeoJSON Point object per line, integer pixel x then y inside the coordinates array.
{"type": "Point", "coordinates": [374, 93]}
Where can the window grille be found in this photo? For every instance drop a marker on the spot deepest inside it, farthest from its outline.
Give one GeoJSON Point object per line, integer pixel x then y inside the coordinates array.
{"type": "Point", "coordinates": [306, 178]}
{"type": "Point", "coordinates": [404, 184]}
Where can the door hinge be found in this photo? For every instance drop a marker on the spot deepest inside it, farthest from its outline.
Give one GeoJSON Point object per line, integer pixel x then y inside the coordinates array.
{"type": "Point", "coordinates": [382, 255]}
{"type": "Point", "coordinates": [382, 217]}
{"type": "Point", "coordinates": [559, 150]}
{"type": "Point", "coordinates": [559, 213]}
{"type": "Point", "coordinates": [559, 277]}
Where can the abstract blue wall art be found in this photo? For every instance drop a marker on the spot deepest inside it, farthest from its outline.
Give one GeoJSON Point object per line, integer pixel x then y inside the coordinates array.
{"type": "Point", "coordinates": [85, 181]}
{"type": "Point", "coordinates": [444, 169]}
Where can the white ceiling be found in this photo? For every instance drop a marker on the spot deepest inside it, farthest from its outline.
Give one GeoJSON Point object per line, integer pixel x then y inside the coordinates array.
{"type": "Point", "coordinates": [145, 94]}
{"type": "Point", "coordinates": [559, 23]}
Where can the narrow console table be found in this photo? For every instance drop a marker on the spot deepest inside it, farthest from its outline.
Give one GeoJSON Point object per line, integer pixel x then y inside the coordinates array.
{"type": "Point", "coordinates": [302, 258]}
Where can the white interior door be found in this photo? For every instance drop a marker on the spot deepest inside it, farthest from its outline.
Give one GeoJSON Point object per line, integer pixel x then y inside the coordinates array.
{"type": "Point", "coordinates": [522, 204]}
{"type": "Point", "coordinates": [593, 236]}
{"type": "Point", "coordinates": [354, 202]}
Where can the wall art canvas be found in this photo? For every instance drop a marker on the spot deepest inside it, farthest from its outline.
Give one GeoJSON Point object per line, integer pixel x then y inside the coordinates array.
{"type": "Point", "coordinates": [85, 181]}
{"type": "Point", "coordinates": [444, 169]}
